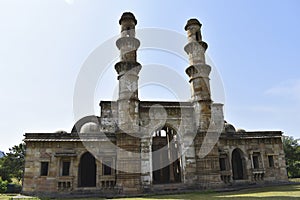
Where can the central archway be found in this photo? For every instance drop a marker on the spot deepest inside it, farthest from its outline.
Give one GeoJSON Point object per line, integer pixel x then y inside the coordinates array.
{"type": "Point", "coordinates": [87, 171]}
{"type": "Point", "coordinates": [166, 156]}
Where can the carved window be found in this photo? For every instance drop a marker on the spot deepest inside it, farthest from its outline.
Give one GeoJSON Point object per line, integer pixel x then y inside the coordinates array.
{"type": "Point", "coordinates": [222, 164]}
{"type": "Point", "coordinates": [128, 32]}
{"type": "Point", "coordinates": [44, 168]}
{"type": "Point", "coordinates": [271, 161]}
{"type": "Point", "coordinates": [255, 162]}
{"type": "Point", "coordinates": [107, 168]}
{"type": "Point", "coordinates": [66, 168]}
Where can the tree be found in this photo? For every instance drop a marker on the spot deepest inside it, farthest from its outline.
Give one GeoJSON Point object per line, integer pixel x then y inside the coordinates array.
{"type": "Point", "coordinates": [292, 156]}
{"type": "Point", "coordinates": [12, 165]}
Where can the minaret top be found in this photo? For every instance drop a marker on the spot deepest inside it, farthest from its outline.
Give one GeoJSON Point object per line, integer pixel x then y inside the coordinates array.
{"type": "Point", "coordinates": [127, 43]}
{"type": "Point", "coordinates": [192, 22]}
{"type": "Point", "coordinates": [193, 29]}
{"type": "Point", "coordinates": [127, 16]}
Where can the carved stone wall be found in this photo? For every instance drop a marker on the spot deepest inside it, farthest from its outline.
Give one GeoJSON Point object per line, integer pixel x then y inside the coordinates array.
{"type": "Point", "coordinates": [262, 152]}
{"type": "Point", "coordinates": [54, 153]}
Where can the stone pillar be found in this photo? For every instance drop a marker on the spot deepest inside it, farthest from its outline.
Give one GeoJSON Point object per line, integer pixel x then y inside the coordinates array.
{"type": "Point", "coordinates": [128, 161]}
{"type": "Point", "coordinates": [146, 163]}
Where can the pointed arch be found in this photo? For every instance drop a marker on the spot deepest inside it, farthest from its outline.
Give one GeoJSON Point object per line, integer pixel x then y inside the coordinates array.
{"type": "Point", "coordinates": [166, 159]}
{"type": "Point", "coordinates": [87, 170]}
{"type": "Point", "coordinates": [238, 164]}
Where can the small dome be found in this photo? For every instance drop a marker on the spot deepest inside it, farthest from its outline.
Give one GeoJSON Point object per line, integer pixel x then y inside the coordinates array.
{"type": "Point", "coordinates": [240, 130]}
{"type": "Point", "coordinates": [229, 128]}
{"type": "Point", "coordinates": [192, 22]}
{"type": "Point", "coordinates": [90, 127]}
{"type": "Point", "coordinates": [60, 131]}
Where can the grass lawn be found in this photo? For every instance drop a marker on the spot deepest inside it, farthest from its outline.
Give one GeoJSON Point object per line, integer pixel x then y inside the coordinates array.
{"type": "Point", "coordinates": [264, 193]}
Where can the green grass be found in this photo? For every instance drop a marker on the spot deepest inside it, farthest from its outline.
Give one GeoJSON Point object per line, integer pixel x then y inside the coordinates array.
{"type": "Point", "coordinates": [264, 193]}
{"type": "Point", "coordinates": [297, 180]}
{"type": "Point", "coordinates": [6, 196]}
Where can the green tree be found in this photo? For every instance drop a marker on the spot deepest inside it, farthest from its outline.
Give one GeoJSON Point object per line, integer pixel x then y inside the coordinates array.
{"type": "Point", "coordinates": [3, 185]}
{"type": "Point", "coordinates": [12, 165]}
{"type": "Point", "coordinates": [292, 156]}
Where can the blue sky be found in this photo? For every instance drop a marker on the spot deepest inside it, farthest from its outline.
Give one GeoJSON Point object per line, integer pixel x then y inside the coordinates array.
{"type": "Point", "coordinates": [254, 45]}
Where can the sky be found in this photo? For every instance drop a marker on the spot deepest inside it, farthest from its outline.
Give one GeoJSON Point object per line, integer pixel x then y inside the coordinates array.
{"type": "Point", "coordinates": [254, 47]}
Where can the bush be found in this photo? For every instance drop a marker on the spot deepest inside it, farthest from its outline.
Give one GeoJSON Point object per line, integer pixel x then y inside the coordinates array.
{"type": "Point", "coordinates": [3, 185]}
{"type": "Point", "coordinates": [13, 188]}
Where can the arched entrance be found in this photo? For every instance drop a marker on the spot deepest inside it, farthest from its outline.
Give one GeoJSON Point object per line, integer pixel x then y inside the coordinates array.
{"type": "Point", "coordinates": [166, 156]}
{"type": "Point", "coordinates": [237, 163]}
{"type": "Point", "coordinates": [87, 171]}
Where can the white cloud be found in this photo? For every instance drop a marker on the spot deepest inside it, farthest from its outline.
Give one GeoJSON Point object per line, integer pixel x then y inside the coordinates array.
{"type": "Point", "coordinates": [288, 89]}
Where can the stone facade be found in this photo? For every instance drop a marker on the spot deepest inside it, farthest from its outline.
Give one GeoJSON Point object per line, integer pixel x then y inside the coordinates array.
{"type": "Point", "coordinates": [136, 147]}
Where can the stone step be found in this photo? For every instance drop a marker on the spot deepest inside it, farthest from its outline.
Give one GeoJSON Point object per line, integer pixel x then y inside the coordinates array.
{"type": "Point", "coordinates": [169, 187]}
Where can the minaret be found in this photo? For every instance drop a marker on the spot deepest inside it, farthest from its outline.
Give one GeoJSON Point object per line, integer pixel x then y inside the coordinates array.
{"type": "Point", "coordinates": [206, 150]}
{"type": "Point", "coordinates": [128, 163]}
{"type": "Point", "coordinates": [128, 69]}
{"type": "Point", "coordinates": [198, 72]}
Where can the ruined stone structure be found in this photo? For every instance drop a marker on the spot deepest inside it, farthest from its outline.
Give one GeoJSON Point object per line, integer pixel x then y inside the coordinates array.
{"type": "Point", "coordinates": [136, 147]}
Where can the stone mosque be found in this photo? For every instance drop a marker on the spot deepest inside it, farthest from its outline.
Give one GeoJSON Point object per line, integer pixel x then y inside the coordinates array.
{"type": "Point", "coordinates": [135, 147]}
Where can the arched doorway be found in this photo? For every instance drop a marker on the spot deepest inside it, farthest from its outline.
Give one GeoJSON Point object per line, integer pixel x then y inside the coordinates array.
{"type": "Point", "coordinates": [87, 171]}
{"type": "Point", "coordinates": [166, 156]}
{"type": "Point", "coordinates": [237, 164]}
